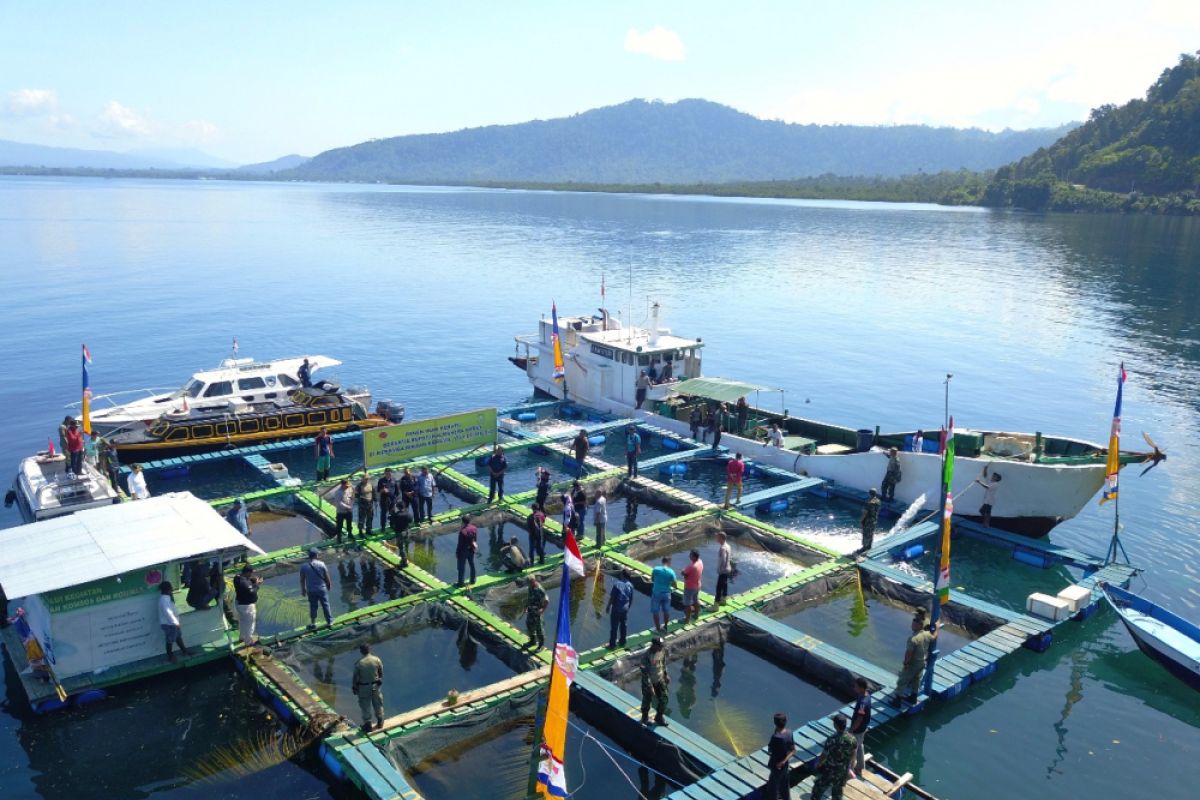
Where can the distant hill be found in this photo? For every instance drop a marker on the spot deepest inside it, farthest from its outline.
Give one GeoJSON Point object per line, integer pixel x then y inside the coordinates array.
{"type": "Point", "coordinates": [684, 142]}
{"type": "Point", "coordinates": [1142, 156]}
{"type": "Point", "coordinates": [19, 154]}
{"type": "Point", "coordinates": [184, 157]}
{"type": "Point", "coordinates": [278, 165]}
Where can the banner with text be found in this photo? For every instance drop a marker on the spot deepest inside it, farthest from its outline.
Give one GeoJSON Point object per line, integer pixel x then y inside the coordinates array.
{"type": "Point", "coordinates": [425, 437]}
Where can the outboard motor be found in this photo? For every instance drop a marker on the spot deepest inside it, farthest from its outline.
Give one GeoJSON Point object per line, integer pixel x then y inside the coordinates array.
{"type": "Point", "coordinates": [390, 410]}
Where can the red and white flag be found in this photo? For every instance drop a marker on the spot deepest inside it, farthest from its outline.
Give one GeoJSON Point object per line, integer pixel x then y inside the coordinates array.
{"type": "Point", "coordinates": [571, 555]}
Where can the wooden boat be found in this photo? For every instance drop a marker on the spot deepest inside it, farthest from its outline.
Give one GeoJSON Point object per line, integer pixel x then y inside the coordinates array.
{"type": "Point", "coordinates": [1164, 636]}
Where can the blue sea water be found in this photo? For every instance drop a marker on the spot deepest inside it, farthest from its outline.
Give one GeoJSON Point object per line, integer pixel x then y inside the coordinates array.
{"type": "Point", "coordinates": [856, 310]}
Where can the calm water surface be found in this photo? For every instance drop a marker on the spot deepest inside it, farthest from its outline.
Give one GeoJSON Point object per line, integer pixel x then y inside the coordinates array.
{"type": "Point", "coordinates": [856, 310]}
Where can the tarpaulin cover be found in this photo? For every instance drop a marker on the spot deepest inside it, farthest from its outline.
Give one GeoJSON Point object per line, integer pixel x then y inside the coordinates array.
{"type": "Point", "coordinates": [973, 620]}
{"type": "Point", "coordinates": [720, 389]}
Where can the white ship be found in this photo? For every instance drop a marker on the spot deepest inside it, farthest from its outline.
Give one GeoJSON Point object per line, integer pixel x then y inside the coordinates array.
{"type": "Point", "coordinates": [44, 489]}
{"type": "Point", "coordinates": [1045, 479]}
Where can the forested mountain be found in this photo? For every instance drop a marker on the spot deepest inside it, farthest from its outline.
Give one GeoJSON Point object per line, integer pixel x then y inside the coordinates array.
{"type": "Point", "coordinates": [276, 165]}
{"type": "Point", "coordinates": [1144, 155]}
{"type": "Point", "coordinates": [19, 154]}
{"type": "Point", "coordinates": [684, 142]}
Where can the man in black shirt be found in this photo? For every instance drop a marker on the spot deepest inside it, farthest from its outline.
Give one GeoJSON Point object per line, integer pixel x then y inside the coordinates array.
{"type": "Point", "coordinates": [245, 586]}
{"type": "Point", "coordinates": [860, 721]}
{"type": "Point", "coordinates": [779, 753]}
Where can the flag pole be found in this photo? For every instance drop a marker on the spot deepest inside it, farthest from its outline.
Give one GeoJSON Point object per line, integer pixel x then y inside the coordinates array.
{"type": "Point", "coordinates": [935, 610]}
{"type": "Point", "coordinates": [1112, 476]}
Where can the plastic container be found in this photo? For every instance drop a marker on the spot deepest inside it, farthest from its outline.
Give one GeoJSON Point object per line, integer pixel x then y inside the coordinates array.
{"type": "Point", "coordinates": [866, 437]}
{"type": "Point", "coordinates": [670, 444]}
{"type": "Point", "coordinates": [527, 416]}
{"type": "Point", "coordinates": [597, 440]}
{"type": "Point", "coordinates": [1030, 558]}
{"type": "Point", "coordinates": [672, 469]}
{"type": "Point", "coordinates": [1047, 607]}
{"type": "Point", "coordinates": [1076, 597]}
{"type": "Point", "coordinates": [912, 551]}
{"type": "Point", "coordinates": [779, 504]}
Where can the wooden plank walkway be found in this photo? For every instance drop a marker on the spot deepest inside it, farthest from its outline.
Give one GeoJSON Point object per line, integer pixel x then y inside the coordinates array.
{"type": "Point", "coordinates": [763, 495]}
{"type": "Point", "coordinates": [371, 772]}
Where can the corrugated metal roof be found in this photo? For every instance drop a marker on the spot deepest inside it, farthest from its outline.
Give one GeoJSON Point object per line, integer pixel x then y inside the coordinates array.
{"type": "Point", "coordinates": [722, 389]}
{"type": "Point", "coordinates": [102, 542]}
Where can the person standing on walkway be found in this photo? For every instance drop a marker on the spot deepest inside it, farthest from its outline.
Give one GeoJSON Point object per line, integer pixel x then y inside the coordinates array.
{"type": "Point", "coordinates": [497, 466]}
{"type": "Point", "coordinates": [640, 388]}
{"type": "Point", "coordinates": [600, 517]}
{"type": "Point", "coordinates": [364, 494]}
{"type": "Point", "coordinates": [238, 518]}
{"type": "Point", "coordinates": [168, 620]}
{"type": "Point", "coordinates": [916, 652]}
{"type": "Point", "coordinates": [695, 420]}
{"type": "Point", "coordinates": [891, 475]}
{"type": "Point", "coordinates": [315, 585]}
{"type": "Point", "coordinates": [860, 721]}
{"type": "Point", "coordinates": [735, 472]}
{"type": "Point", "coordinates": [580, 448]}
{"type": "Point", "coordinates": [742, 415]}
{"type": "Point", "coordinates": [401, 519]}
{"type": "Point", "coordinates": [91, 449]}
{"type": "Point", "coordinates": [834, 762]}
{"type": "Point", "coordinates": [367, 686]}
{"type": "Point", "coordinates": [579, 501]}
{"type": "Point", "coordinates": [655, 680]}
{"type": "Point", "coordinates": [543, 487]}
{"type": "Point", "coordinates": [426, 488]}
{"type": "Point", "coordinates": [535, 608]}
{"type": "Point", "coordinates": [568, 510]}
{"type": "Point", "coordinates": [780, 750]}
{"type": "Point", "coordinates": [692, 575]}
{"type": "Point", "coordinates": [724, 567]}
{"type": "Point", "coordinates": [323, 447]}
{"type": "Point", "coordinates": [74, 451]}
{"type": "Point", "coordinates": [662, 583]}
{"type": "Point", "coordinates": [407, 486]}
{"type": "Point", "coordinates": [989, 496]}
{"type": "Point", "coordinates": [535, 524]}
{"type": "Point", "coordinates": [137, 483]}
{"type": "Point", "coordinates": [620, 600]}
{"type": "Point", "coordinates": [718, 425]}
{"type": "Point", "coordinates": [385, 491]}
{"type": "Point", "coordinates": [245, 589]}
{"type": "Point", "coordinates": [633, 450]}
{"type": "Point", "coordinates": [62, 435]}
{"type": "Point", "coordinates": [343, 507]}
{"type": "Point", "coordinates": [870, 518]}
{"type": "Point", "coordinates": [465, 549]}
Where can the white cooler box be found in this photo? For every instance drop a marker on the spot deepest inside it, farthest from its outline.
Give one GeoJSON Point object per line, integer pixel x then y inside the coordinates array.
{"type": "Point", "coordinates": [1076, 596]}
{"type": "Point", "coordinates": [1047, 607]}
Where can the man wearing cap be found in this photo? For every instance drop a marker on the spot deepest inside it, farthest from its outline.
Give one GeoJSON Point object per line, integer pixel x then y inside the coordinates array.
{"type": "Point", "coordinates": [315, 585]}
{"type": "Point", "coordinates": [891, 475]}
{"type": "Point", "coordinates": [535, 524]}
{"type": "Point", "coordinates": [916, 653]}
{"type": "Point", "coordinates": [633, 450]}
{"type": "Point", "coordinates": [535, 607]}
{"type": "Point", "coordinates": [654, 682]}
{"type": "Point", "coordinates": [497, 466]}
{"type": "Point", "coordinates": [833, 764]}
{"type": "Point", "coordinates": [74, 452]}
{"type": "Point", "coordinates": [870, 518]}
{"type": "Point", "coordinates": [245, 587]}
{"type": "Point", "coordinates": [368, 686]}
{"type": "Point", "coordinates": [620, 598]}
{"type": "Point", "coordinates": [237, 517]}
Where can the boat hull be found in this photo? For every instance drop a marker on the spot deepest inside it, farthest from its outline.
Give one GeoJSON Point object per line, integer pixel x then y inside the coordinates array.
{"type": "Point", "coordinates": [1177, 644]}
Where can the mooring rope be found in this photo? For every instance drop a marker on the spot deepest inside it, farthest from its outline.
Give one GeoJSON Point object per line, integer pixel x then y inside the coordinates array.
{"type": "Point", "coordinates": [587, 734]}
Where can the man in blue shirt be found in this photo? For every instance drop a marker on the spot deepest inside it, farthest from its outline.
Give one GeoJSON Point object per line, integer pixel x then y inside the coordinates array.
{"type": "Point", "coordinates": [236, 516]}
{"type": "Point", "coordinates": [315, 585]}
{"type": "Point", "coordinates": [426, 485]}
{"type": "Point", "coordinates": [497, 465]}
{"type": "Point", "coordinates": [620, 598]}
{"type": "Point", "coordinates": [860, 721]}
{"type": "Point", "coordinates": [662, 583]}
{"type": "Point", "coordinates": [633, 449]}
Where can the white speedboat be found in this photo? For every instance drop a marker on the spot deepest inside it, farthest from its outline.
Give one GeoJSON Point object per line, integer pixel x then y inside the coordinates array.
{"type": "Point", "coordinates": [44, 489]}
{"type": "Point", "coordinates": [237, 381]}
{"type": "Point", "coordinates": [1045, 479]}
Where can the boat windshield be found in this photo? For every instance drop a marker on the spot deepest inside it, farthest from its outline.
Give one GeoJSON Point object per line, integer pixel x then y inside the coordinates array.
{"type": "Point", "coordinates": [192, 389]}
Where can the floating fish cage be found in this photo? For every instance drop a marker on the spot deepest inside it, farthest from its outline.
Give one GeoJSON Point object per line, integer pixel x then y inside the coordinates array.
{"type": "Point", "coordinates": [461, 691]}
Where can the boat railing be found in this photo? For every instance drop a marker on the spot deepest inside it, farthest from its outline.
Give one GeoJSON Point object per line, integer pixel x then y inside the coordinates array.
{"type": "Point", "coordinates": [128, 394]}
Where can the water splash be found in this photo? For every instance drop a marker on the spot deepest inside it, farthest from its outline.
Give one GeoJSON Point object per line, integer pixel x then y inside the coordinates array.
{"type": "Point", "coordinates": [907, 517]}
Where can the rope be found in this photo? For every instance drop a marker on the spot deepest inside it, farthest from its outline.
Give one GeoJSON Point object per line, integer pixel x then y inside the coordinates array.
{"type": "Point", "coordinates": [587, 734]}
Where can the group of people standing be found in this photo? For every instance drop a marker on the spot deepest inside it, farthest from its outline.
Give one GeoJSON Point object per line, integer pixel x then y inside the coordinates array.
{"type": "Point", "coordinates": [91, 448]}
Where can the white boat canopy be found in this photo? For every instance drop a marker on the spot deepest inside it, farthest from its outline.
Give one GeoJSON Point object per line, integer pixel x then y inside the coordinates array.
{"type": "Point", "coordinates": [109, 541]}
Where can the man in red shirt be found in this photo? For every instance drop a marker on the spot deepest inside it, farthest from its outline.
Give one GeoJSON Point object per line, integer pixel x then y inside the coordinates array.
{"type": "Point", "coordinates": [75, 448]}
{"type": "Point", "coordinates": [734, 472]}
{"type": "Point", "coordinates": [691, 587]}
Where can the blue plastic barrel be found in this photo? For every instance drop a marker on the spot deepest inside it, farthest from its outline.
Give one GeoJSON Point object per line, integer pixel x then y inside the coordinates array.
{"type": "Point", "coordinates": [570, 412]}
{"type": "Point", "coordinates": [48, 705]}
{"type": "Point", "coordinates": [1030, 558]}
{"type": "Point", "coordinates": [672, 469]}
{"type": "Point", "coordinates": [866, 437]}
{"type": "Point", "coordinates": [912, 551]}
{"type": "Point", "coordinates": [91, 696]}
{"type": "Point", "coordinates": [527, 416]}
{"type": "Point", "coordinates": [482, 462]}
{"type": "Point", "coordinates": [331, 763]}
{"type": "Point", "coordinates": [670, 444]}
{"type": "Point", "coordinates": [570, 464]}
{"type": "Point", "coordinates": [597, 440]}
{"type": "Point", "coordinates": [779, 504]}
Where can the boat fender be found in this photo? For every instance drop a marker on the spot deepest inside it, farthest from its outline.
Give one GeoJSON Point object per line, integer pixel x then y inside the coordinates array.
{"type": "Point", "coordinates": [48, 705]}
{"type": "Point", "coordinates": [597, 440]}
{"type": "Point", "coordinates": [1030, 558]}
{"type": "Point", "coordinates": [89, 697]}
{"type": "Point", "coordinates": [527, 416]}
{"type": "Point", "coordinates": [779, 504]}
{"type": "Point", "coordinates": [912, 551]}
{"type": "Point", "coordinates": [331, 763]}
{"type": "Point", "coordinates": [670, 444]}
{"type": "Point", "coordinates": [673, 469]}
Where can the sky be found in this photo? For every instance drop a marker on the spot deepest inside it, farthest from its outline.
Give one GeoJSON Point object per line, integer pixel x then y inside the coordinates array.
{"type": "Point", "coordinates": [250, 82]}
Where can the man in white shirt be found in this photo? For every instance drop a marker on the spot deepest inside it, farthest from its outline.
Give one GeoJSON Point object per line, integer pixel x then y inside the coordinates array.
{"type": "Point", "coordinates": [600, 517]}
{"type": "Point", "coordinates": [724, 568]}
{"type": "Point", "coordinates": [168, 620]}
{"type": "Point", "coordinates": [775, 435]}
{"type": "Point", "coordinates": [989, 496]}
{"type": "Point", "coordinates": [137, 483]}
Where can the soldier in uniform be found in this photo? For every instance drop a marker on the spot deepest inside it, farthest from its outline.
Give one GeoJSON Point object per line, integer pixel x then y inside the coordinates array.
{"type": "Point", "coordinates": [385, 490]}
{"type": "Point", "coordinates": [654, 682]}
{"type": "Point", "coordinates": [368, 686]}
{"type": "Point", "coordinates": [834, 762]}
{"type": "Point", "coordinates": [870, 517]}
{"type": "Point", "coordinates": [365, 494]}
{"type": "Point", "coordinates": [891, 475]}
{"type": "Point", "coordinates": [915, 655]}
{"type": "Point", "coordinates": [538, 601]}
{"type": "Point", "coordinates": [401, 518]}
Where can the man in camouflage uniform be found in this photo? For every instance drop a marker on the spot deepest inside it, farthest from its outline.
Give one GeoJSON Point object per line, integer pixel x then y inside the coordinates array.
{"type": "Point", "coordinates": [870, 518]}
{"type": "Point", "coordinates": [891, 476]}
{"type": "Point", "coordinates": [533, 614]}
{"type": "Point", "coordinates": [834, 764]}
{"type": "Point", "coordinates": [364, 493]}
{"type": "Point", "coordinates": [916, 653]}
{"type": "Point", "coordinates": [654, 682]}
{"type": "Point", "coordinates": [368, 686]}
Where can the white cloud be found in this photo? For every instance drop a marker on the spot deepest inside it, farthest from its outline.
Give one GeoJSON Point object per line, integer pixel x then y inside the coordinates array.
{"type": "Point", "coordinates": [658, 42]}
{"type": "Point", "coordinates": [117, 120]}
{"type": "Point", "coordinates": [31, 102]}
{"type": "Point", "coordinates": [199, 131]}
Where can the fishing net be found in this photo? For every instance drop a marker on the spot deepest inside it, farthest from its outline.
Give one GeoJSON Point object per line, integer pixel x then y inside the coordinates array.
{"type": "Point", "coordinates": [973, 620]}
{"type": "Point", "coordinates": [746, 541]}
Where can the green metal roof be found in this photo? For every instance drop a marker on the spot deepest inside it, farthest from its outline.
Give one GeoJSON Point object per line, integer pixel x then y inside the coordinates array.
{"type": "Point", "coordinates": [721, 389]}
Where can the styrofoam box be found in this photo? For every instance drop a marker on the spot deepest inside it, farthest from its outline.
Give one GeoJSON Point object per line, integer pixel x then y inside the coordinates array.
{"type": "Point", "coordinates": [1047, 607]}
{"type": "Point", "coordinates": [1076, 596]}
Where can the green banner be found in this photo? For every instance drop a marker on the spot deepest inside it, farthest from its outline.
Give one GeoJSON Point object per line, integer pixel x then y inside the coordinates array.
{"type": "Point", "coordinates": [105, 590]}
{"type": "Point", "coordinates": [425, 437]}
